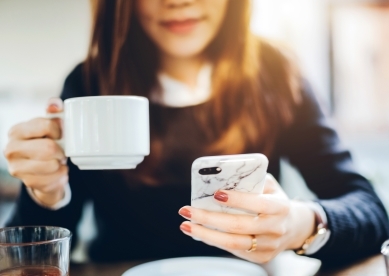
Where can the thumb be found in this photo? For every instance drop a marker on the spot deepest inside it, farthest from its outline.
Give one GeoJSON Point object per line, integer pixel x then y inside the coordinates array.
{"type": "Point", "coordinates": [54, 105]}
{"type": "Point", "coordinates": [271, 185]}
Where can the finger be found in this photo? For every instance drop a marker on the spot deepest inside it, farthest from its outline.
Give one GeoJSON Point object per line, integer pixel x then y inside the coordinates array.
{"type": "Point", "coordinates": [267, 246]}
{"type": "Point", "coordinates": [54, 105]}
{"type": "Point", "coordinates": [46, 183]}
{"type": "Point", "coordinates": [20, 167]}
{"type": "Point", "coordinates": [271, 186]}
{"type": "Point", "coordinates": [232, 223]}
{"type": "Point", "coordinates": [226, 241]}
{"type": "Point", "coordinates": [36, 149]}
{"type": "Point", "coordinates": [35, 128]}
{"type": "Point", "coordinates": [270, 204]}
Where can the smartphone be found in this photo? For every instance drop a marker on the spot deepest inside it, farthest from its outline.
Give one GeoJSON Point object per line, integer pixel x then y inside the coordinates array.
{"type": "Point", "coordinates": [242, 172]}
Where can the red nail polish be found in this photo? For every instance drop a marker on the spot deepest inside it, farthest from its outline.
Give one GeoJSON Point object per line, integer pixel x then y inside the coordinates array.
{"type": "Point", "coordinates": [54, 105]}
{"type": "Point", "coordinates": [185, 228]}
{"type": "Point", "coordinates": [185, 213]}
{"type": "Point", "coordinates": [221, 196]}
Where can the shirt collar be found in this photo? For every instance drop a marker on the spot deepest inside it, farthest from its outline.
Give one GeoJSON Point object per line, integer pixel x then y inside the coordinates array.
{"type": "Point", "coordinates": [178, 94]}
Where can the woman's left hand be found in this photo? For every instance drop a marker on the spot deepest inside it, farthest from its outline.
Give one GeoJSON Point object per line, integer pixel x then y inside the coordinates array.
{"type": "Point", "coordinates": [281, 223]}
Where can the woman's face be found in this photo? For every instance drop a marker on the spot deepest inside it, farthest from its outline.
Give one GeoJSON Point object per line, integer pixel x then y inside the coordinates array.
{"type": "Point", "coordinates": [181, 28]}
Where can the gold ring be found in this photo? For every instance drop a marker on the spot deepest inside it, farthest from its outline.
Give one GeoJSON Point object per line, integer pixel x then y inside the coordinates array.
{"type": "Point", "coordinates": [253, 244]}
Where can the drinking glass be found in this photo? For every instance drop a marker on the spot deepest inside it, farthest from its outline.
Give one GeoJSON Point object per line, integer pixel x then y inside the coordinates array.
{"type": "Point", "coordinates": [34, 251]}
{"type": "Point", "coordinates": [385, 252]}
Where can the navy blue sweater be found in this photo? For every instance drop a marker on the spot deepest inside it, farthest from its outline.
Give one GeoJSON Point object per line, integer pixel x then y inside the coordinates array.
{"type": "Point", "coordinates": [141, 222]}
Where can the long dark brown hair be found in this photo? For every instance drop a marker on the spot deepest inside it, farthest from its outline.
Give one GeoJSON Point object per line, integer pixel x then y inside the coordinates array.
{"type": "Point", "coordinates": [255, 87]}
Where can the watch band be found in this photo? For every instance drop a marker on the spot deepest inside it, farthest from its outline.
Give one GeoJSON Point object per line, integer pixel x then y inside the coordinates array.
{"type": "Point", "coordinates": [321, 235]}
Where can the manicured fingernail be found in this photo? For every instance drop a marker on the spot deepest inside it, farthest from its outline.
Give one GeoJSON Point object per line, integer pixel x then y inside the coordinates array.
{"type": "Point", "coordinates": [221, 196]}
{"type": "Point", "coordinates": [53, 107]}
{"type": "Point", "coordinates": [185, 228]}
{"type": "Point", "coordinates": [185, 213]}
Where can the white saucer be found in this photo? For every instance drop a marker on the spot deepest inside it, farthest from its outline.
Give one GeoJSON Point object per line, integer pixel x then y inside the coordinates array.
{"type": "Point", "coordinates": [195, 266]}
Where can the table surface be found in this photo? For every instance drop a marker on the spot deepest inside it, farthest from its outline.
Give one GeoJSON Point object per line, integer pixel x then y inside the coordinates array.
{"type": "Point", "coordinates": [286, 264]}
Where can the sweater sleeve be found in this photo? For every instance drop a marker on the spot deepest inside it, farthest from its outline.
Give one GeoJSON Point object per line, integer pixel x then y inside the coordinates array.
{"type": "Point", "coordinates": [28, 212]}
{"type": "Point", "coordinates": [356, 216]}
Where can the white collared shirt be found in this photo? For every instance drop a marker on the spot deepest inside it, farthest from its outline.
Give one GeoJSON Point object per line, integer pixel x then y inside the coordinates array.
{"type": "Point", "coordinates": [177, 94]}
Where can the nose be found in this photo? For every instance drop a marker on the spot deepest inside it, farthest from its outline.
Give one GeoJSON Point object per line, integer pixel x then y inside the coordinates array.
{"type": "Point", "coordinates": [179, 3]}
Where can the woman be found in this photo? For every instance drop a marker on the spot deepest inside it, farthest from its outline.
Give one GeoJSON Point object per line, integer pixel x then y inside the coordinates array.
{"type": "Point", "coordinates": [214, 89]}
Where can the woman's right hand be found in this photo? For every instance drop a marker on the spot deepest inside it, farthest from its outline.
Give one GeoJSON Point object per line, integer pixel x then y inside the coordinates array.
{"type": "Point", "coordinates": [36, 159]}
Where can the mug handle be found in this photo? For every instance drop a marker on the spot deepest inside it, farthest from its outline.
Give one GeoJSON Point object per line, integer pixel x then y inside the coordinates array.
{"type": "Point", "coordinates": [59, 115]}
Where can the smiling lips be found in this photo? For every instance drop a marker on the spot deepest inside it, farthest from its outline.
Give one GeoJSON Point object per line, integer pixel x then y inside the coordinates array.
{"type": "Point", "coordinates": [181, 26]}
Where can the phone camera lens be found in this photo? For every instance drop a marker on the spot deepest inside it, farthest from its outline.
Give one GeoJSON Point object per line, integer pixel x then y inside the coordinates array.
{"type": "Point", "coordinates": [210, 171]}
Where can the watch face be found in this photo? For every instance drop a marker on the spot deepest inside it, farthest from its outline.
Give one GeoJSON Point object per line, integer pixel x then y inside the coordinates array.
{"type": "Point", "coordinates": [318, 240]}
{"type": "Point", "coordinates": [321, 231]}
{"type": "Point", "coordinates": [322, 234]}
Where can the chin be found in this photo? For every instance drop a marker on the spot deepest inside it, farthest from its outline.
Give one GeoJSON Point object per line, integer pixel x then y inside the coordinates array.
{"type": "Point", "coordinates": [184, 47]}
{"type": "Point", "coordinates": [185, 50]}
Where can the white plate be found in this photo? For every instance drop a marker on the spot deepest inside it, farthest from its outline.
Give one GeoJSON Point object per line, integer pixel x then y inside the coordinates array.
{"type": "Point", "coordinates": [195, 266]}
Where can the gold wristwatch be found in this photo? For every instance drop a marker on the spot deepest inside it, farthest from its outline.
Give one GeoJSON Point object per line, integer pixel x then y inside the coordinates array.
{"type": "Point", "coordinates": [321, 235]}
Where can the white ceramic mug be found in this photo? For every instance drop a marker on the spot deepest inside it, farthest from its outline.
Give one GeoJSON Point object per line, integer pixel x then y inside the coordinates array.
{"type": "Point", "coordinates": [105, 132]}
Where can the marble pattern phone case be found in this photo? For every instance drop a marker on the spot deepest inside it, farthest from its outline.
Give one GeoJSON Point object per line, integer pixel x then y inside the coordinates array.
{"type": "Point", "coordinates": [243, 172]}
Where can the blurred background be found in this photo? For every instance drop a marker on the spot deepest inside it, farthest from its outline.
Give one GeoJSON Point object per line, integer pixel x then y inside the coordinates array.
{"type": "Point", "coordinates": [341, 45]}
